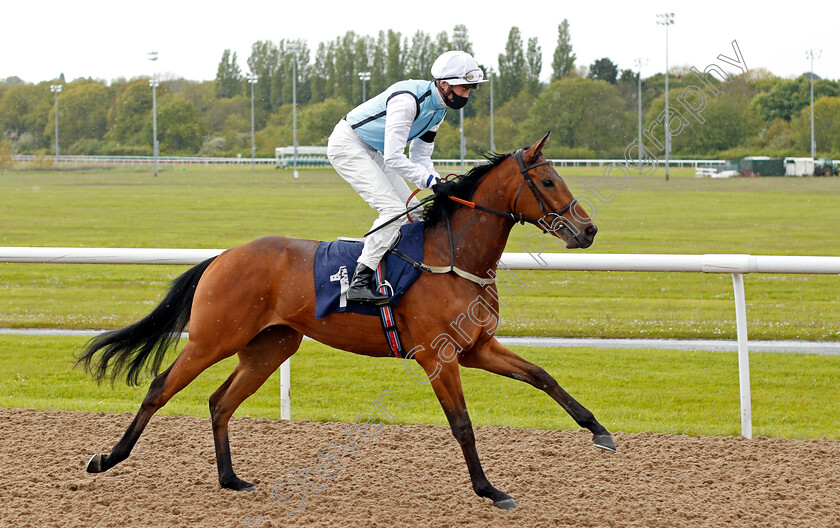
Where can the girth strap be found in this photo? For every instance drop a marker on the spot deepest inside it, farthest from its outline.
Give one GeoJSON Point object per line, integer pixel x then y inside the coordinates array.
{"type": "Point", "coordinates": [386, 314]}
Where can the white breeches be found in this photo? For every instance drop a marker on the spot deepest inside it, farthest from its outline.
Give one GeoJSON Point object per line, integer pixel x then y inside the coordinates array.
{"type": "Point", "coordinates": [385, 191]}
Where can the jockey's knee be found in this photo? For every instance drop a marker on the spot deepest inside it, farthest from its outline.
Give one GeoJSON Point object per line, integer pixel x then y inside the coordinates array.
{"type": "Point", "coordinates": [390, 211]}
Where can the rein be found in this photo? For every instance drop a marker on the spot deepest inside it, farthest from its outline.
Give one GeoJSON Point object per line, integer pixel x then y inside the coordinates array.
{"type": "Point", "coordinates": [545, 205]}
{"type": "Point", "coordinates": [545, 208]}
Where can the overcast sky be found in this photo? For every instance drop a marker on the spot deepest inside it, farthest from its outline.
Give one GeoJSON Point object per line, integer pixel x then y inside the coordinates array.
{"type": "Point", "coordinates": [109, 40]}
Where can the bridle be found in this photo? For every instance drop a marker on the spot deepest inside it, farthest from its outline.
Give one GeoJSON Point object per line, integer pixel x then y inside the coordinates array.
{"type": "Point", "coordinates": [542, 201]}
{"type": "Point", "coordinates": [545, 206]}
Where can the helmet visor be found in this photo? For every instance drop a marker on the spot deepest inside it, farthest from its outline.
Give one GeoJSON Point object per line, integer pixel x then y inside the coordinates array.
{"type": "Point", "coordinates": [472, 77]}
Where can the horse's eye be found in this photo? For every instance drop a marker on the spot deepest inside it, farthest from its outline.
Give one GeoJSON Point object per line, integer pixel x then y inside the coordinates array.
{"type": "Point", "coordinates": [547, 183]}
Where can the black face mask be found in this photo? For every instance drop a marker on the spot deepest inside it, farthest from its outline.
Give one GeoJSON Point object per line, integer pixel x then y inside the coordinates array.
{"type": "Point", "coordinates": [456, 101]}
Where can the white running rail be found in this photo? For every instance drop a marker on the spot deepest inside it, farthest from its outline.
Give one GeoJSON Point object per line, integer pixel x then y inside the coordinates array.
{"type": "Point", "coordinates": [736, 265]}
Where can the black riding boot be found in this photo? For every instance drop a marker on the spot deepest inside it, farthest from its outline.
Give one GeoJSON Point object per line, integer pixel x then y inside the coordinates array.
{"type": "Point", "coordinates": [360, 287]}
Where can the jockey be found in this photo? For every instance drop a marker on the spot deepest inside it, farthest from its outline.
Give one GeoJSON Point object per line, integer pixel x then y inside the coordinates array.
{"type": "Point", "coordinates": [367, 148]}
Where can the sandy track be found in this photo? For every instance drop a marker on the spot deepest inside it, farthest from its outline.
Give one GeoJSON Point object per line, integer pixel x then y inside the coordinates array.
{"type": "Point", "coordinates": [405, 476]}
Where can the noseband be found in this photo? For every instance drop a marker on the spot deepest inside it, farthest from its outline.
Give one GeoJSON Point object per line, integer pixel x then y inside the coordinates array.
{"type": "Point", "coordinates": [542, 201]}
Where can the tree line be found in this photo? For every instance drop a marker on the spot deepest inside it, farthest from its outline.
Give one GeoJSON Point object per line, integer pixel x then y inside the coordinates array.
{"type": "Point", "coordinates": [590, 109]}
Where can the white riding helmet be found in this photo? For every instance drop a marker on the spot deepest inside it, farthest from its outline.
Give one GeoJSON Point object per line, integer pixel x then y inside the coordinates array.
{"type": "Point", "coordinates": [457, 67]}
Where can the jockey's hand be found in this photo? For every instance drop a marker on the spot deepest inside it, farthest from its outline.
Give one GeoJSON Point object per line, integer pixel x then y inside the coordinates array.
{"type": "Point", "coordinates": [443, 187]}
{"type": "Point", "coordinates": [433, 180]}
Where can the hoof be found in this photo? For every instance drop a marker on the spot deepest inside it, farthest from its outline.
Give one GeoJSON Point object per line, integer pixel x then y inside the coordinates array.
{"type": "Point", "coordinates": [94, 465]}
{"type": "Point", "coordinates": [239, 485]}
{"type": "Point", "coordinates": [506, 504]}
{"type": "Point", "coordinates": [604, 442]}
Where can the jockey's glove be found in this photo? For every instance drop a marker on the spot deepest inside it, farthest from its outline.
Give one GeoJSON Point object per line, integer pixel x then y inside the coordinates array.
{"type": "Point", "coordinates": [444, 187]}
{"type": "Point", "coordinates": [432, 180]}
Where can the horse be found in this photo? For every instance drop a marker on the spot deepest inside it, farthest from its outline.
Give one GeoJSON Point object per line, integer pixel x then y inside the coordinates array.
{"type": "Point", "coordinates": [257, 300]}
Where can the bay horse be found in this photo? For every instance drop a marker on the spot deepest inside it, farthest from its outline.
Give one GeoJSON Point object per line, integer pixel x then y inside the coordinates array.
{"type": "Point", "coordinates": [257, 300]}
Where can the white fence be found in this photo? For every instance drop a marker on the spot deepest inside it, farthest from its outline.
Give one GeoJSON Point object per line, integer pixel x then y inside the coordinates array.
{"type": "Point", "coordinates": [558, 162]}
{"type": "Point", "coordinates": [142, 160]}
{"type": "Point", "coordinates": [283, 159]}
{"type": "Point", "coordinates": [736, 265]}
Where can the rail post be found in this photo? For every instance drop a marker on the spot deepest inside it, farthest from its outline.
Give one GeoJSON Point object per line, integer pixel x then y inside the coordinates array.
{"type": "Point", "coordinates": [743, 355]}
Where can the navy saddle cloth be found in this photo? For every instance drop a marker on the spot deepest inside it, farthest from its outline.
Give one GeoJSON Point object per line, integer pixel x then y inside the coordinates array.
{"type": "Point", "coordinates": [335, 263]}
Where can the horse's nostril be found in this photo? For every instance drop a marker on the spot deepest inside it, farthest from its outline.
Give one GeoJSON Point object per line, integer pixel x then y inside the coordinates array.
{"type": "Point", "coordinates": [590, 231]}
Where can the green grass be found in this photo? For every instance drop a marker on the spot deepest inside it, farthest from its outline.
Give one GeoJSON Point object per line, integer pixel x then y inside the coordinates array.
{"type": "Point", "coordinates": [629, 390]}
{"type": "Point", "coordinates": [663, 391]}
{"type": "Point", "coordinates": [203, 207]}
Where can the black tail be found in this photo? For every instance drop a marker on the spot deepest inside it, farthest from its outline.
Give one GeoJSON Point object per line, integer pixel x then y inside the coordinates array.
{"type": "Point", "coordinates": [146, 341]}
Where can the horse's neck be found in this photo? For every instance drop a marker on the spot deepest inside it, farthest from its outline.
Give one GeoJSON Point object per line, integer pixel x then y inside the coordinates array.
{"type": "Point", "coordinates": [478, 239]}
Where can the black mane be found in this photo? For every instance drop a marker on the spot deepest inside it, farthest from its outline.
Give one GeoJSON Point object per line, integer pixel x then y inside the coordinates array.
{"type": "Point", "coordinates": [461, 187]}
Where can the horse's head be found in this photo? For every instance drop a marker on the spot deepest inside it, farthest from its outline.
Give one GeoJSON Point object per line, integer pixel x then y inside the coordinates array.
{"type": "Point", "coordinates": [522, 186]}
{"type": "Point", "coordinates": [539, 195]}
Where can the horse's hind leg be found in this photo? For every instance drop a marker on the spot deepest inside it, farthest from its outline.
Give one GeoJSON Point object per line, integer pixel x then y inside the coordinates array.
{"type": "Point", "coordinates": [494, 357]}
{"type": "Point", "coordinates": [191, 362]}
{"type": "Point", "coordinates": [257, 362]}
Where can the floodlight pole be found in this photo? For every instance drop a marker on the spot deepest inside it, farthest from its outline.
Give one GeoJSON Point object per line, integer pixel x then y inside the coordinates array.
{"type": "Point", "coordinates": [56, 89]}
{"type": "Point", "coordinates": [666, 19]}
{"type": "Point", "coordinates": [155, 148]}
{"type": "Point", "coordinates": [492, 132]}
{"type": "Point", "coordinates": [153, 56]}
{"type": "Point", "coordinates": [294, 118]}
{"type": "Point", "coordinates": [252, 80]}
{"type": "Point", "coordinates": [463, 141]}
{"type": "Point", "coordinates": [811, 54]}
{"type": "Point", "coordinates": [639, 63]}
{"type": "Point", "coordinates": [365, 77]}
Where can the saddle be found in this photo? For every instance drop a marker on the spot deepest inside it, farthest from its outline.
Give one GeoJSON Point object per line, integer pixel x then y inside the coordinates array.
{"type": "Point", "coordinates": [334, 262]}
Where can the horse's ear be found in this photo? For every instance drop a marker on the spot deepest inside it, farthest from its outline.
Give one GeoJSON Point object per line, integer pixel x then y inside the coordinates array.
{"type": "Point", "coordinates": [533, 153]}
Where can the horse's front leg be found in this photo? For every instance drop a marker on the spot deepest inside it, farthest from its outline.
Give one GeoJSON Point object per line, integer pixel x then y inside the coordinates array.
{"type": "Point", "coordinates": [446, 383]}
{"type": "Point", "coordinates": [492, 356]}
